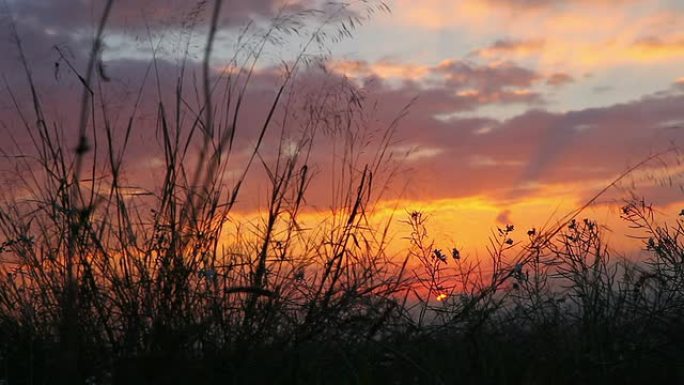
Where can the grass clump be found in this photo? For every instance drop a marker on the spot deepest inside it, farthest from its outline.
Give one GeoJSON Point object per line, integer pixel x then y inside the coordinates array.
{"type": "Point", "coordinates": [162, 282]}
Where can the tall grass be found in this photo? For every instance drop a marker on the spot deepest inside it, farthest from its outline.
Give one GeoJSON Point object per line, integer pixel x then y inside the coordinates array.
{"type": "Point", "coordinates": [104, 282]}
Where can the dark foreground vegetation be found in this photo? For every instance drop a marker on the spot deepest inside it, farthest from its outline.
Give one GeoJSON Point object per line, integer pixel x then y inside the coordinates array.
{"type": "Point", "coordinates": [160, 283]}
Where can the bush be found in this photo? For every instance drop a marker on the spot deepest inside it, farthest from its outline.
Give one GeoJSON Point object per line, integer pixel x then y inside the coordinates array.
{"type": "Point", "coordinates": [167, 283]}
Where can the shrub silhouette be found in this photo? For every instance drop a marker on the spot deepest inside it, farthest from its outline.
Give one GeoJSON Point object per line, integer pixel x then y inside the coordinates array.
{"type": "Point", "coordinates": [105, 283]}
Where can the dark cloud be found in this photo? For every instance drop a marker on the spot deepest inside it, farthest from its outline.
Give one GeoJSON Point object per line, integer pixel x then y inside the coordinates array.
{"type": "Point", "coordinates": [454, 85]}
{"type": "Point", "coordinates": [588, 144]}
{"type": "Point", "coordinates": [71, 15]}
{"type": "Point", "coordinates": [486, 77]}
{"type": "Point", "coordinates": [134, 26]}
{"type": "Point", "coordinates": [464, 156]}
{"type": "Point", "coordinates": [559, 79]}
{"type": "Point", "coordinates": [483, 156]}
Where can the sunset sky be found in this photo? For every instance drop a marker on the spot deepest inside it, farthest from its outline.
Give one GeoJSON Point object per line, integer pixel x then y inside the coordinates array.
{"type": "Point", "coordinates": [523, 108]}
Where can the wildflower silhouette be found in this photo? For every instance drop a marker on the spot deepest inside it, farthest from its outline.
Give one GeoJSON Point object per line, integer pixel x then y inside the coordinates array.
{"type": "Point", "coordinates": [439, 255]}
{"type": "Point", "coordinates": [455, 254]}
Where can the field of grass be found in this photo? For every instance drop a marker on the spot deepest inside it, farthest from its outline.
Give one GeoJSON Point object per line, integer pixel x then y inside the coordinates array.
{"type": "Point", "coordinates": [105, 283]}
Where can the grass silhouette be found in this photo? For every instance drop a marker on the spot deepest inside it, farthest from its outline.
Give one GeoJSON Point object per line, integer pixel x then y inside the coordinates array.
{"type": "Point", "coordinates": [105, 283]}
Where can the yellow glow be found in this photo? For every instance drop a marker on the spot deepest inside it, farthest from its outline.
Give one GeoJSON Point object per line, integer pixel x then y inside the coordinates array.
{"type": "Point", "coordinates": [441, 297]}
{"type": "Point", "coordinates": [468, 223]}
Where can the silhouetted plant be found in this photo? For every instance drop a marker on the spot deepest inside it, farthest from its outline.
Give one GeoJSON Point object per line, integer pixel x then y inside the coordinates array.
{"type": "Point", "coordinates": [166, 282]}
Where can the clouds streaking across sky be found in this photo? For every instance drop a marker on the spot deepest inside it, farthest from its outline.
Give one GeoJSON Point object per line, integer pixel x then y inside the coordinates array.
{"type": "Point", "coordinates": [513, 104]}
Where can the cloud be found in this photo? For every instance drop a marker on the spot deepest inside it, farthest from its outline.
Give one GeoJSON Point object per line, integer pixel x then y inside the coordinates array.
{"type": "Point", "coordinates": [459, 74]}
{"type": "Point", "coordinates": [462, 85]}
{"type": "Point", "coordinates": [467, 156]}
{"type": "Point", "coordinates": [504, 217]}
{"type": "Point", "coordinates": [132, 26]}
{"type": "Point", "coordinates": [654, 48]}
{"type": "Point", "coordinates": [174, 30]}
{"type": "Point", "coordinates": [532, 154]}
{"type": "Point", "coordinates": [491, 77]}
{"type": "Point", "coordinates": [384, 69]}
{"type": "Point", "coordinates": [484, 156]}
{"type": "Point", "coordinates": [507, 46]}
{"type": "Point", "coordinates": [70, 15]}
{"type": "Point", "coordinates": [479, 161]}
{"type": "Point", "coordinates": [574, 37]}
{"type": "Point", "coordinates": [558, 79]}
{"type": "Point", "coordinates": [415, 153]}
{"type": "Point", "coordinates": [537, 4]}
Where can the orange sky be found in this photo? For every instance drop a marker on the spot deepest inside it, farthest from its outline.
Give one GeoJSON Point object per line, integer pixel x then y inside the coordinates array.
{"type": "Point", "coordinates": [520, 110]}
